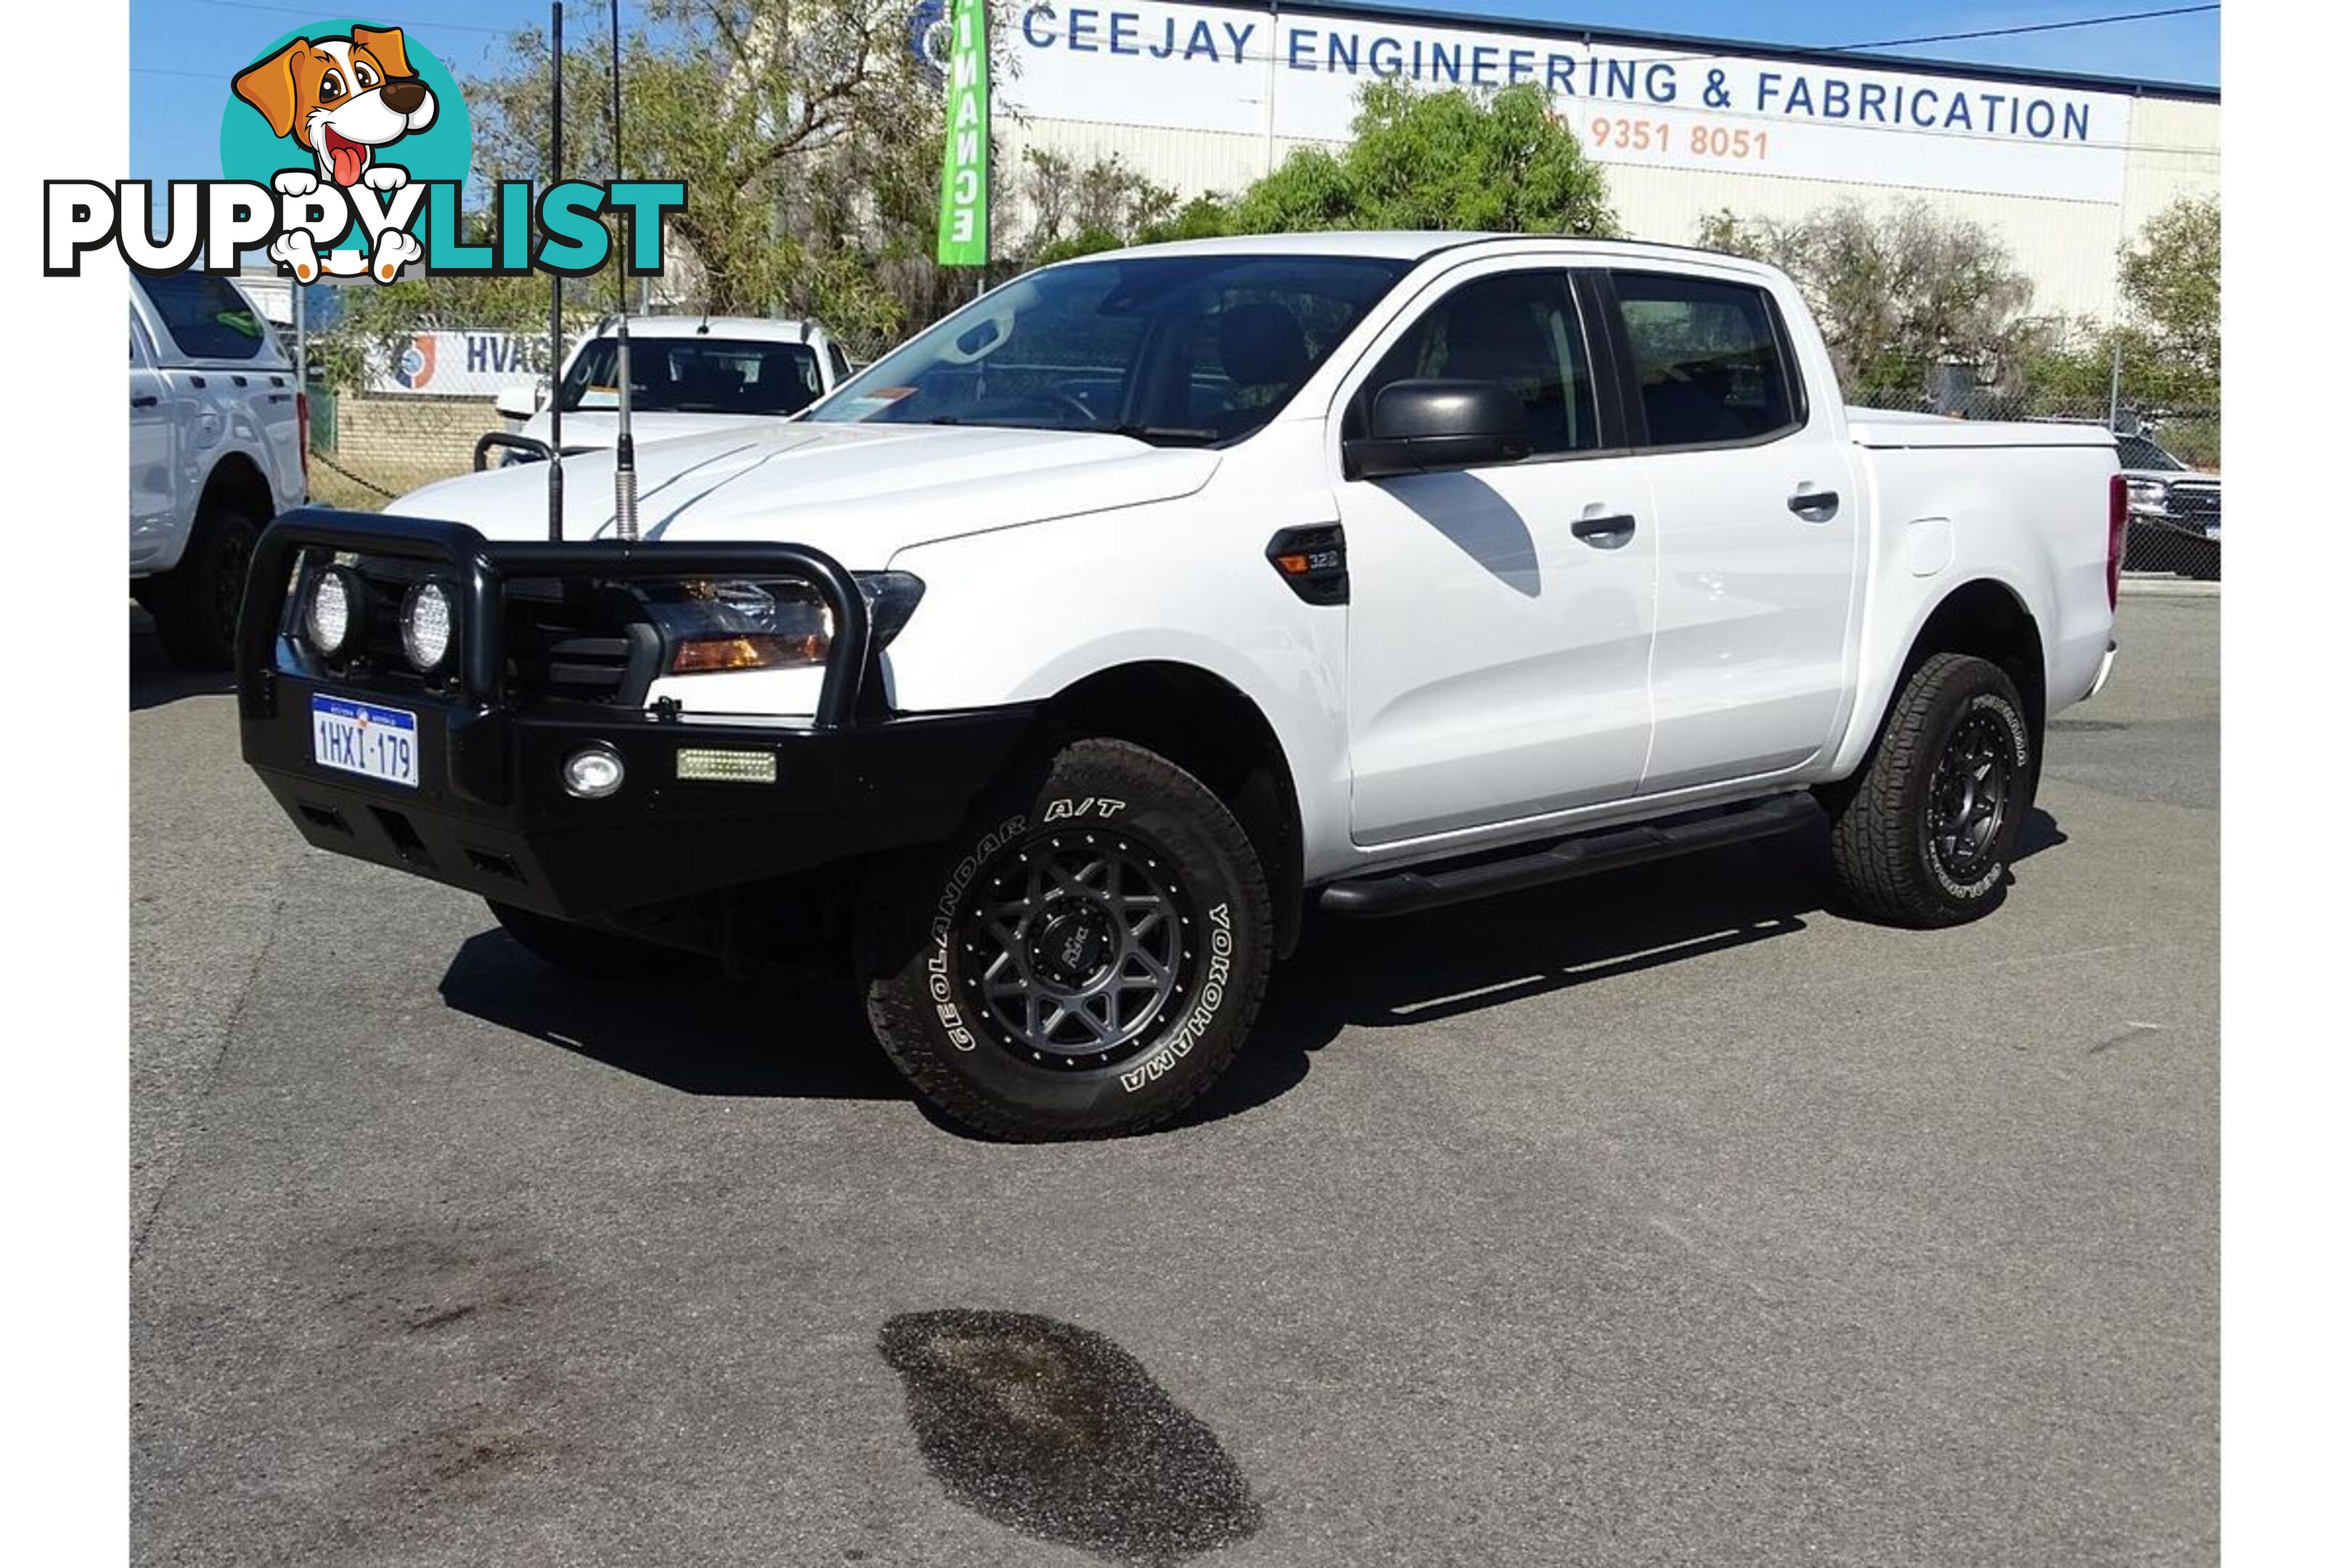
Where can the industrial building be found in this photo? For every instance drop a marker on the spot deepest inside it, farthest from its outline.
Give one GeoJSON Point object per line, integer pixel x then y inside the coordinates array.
{"type": "Point", "coordinates": [1208, 95]}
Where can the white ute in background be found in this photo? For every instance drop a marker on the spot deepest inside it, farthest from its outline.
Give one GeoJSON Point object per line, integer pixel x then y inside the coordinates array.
{"type": "Point", "coordinates": [1043, 678]}
{"type": "Point", "coordinates": [693, 374]}
{"type": "Point", "coordinates": [219, 445]}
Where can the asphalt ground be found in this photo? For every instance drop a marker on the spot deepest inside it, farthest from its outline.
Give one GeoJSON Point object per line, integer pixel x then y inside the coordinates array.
{"type": "Point", "coordinates": [1669, 1217]}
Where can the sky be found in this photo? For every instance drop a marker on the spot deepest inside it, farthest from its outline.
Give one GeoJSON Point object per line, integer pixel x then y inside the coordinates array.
{"type": "Point", "coordinates": [183, 52]}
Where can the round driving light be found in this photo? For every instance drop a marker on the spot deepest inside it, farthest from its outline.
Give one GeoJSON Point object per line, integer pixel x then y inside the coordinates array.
{"type": "Point", "coordinates": [333, 610]}
{"type": "Point", "coordinates": [425, 621]}
{"type": "Point", "coordinates": [592, 771]}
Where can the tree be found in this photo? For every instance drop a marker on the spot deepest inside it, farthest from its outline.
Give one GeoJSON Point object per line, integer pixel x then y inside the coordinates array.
{"type": "Point", "coordinates": [2164, 357]}
{"type": "Point", "coordinates": [2171, 283]}
{"type": "Point", "coordinates": [807, 132]}
{"type": "Point", "coordinates": [1900, 294]}
{"type": "Point", "coordinates": [1076, 211]}
{"type": "Point", "coordinates": [1449, 160]}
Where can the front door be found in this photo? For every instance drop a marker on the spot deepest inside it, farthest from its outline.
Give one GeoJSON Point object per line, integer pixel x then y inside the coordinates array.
{"type": "Point", "coordinates": [1498, 636]}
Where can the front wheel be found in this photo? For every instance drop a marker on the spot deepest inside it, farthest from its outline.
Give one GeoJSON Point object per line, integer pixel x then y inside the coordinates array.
{"type": "Point", "coordinates": [1083, 959]}
{"type": "Point", "coordinates": [1924, 835]}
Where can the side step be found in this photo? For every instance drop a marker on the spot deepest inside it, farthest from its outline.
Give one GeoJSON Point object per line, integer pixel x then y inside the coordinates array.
{"type": "Point", "coordinates": [1581, 855]}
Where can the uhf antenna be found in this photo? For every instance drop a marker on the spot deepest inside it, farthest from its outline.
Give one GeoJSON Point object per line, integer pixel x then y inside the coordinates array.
{"type": "Point", "coordinates": [555, 301]}
{"type": "Point", "coordinates": [624, 451]}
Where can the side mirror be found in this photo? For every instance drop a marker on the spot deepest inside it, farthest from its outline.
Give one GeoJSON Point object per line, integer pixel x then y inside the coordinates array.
{"type": "Point", "coordinates": [1420, 427]}
{"type": "Point", "coordinates": [515, 403]}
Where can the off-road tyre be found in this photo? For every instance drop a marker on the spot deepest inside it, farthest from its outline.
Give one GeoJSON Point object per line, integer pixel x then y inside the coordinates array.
{"type": "Point", "coordinates": [196, 603]}
{"type": "Point", "coordinates": [593, 954]}
{"type": "Point", "coordinates": [1014, 973]}
{"type": "Point", "coordinates": [1924, 834]}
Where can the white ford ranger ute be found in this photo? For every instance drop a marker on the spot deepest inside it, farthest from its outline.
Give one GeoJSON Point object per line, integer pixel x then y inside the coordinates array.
{"type": "Point", "coordinates": [1045, 675]}
{"type": "Point", "coordinates": [689, 375]}
{"type": "Point", "coordinates": [219, 445]}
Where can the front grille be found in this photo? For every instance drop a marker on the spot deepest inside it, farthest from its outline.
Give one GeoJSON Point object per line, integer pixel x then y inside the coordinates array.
{"type": "Point", "coordinates": [2193, 505]}
{"type": "Point", "coordinates": [578, 642]}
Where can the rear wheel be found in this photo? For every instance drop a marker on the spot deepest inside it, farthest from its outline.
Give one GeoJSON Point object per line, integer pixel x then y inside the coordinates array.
{"type": "Point", "coordinates": [1083, 959]}
{"type": "Point", "coordinates": [1924, 835]}
{"type": "Point", "coordinates": [196, 603]}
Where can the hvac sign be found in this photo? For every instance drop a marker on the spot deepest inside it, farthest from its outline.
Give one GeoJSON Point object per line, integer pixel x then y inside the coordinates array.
{"type": "Point", "coordinates": [464, 364]}
{"type": "Point", "coordinates": [1211, 68]}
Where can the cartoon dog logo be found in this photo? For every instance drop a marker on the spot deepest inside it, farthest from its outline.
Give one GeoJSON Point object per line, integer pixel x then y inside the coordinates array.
{"type": "Point", "coordinates": [340, 99]}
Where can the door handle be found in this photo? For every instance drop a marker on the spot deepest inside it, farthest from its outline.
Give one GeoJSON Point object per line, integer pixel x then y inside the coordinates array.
{"type": "Point", "coordinates": [1604, 532]}
{"type": "Point", "coordinates": [144, 400]}
{"type": "Point", "coordinates": [1815, 506]}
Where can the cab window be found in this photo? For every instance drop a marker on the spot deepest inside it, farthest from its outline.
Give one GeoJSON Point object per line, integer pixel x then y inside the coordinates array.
{"type": "Point", "coordinates": [1709, 360]}
{"type": "Point", "coordinates": [206, 316]}
{"type": "Point", "coordinates": [1520, 328]}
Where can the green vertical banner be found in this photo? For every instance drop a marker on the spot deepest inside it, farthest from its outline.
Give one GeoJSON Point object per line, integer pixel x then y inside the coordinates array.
{"type": "Point", "coordinates": [963, 171]}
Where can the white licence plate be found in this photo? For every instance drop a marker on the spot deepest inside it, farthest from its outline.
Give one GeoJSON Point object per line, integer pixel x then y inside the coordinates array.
{"type": "Point", "coordinates": [361, 738]}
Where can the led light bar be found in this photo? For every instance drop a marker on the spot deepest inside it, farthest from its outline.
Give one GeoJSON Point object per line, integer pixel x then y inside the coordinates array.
{"type": "Point", "coordinates": [712, 765]}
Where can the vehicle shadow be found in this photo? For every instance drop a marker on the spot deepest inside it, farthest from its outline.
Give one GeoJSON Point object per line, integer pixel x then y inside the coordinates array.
{"type": "Point", "coordinates": [803, 1040]}
{"type": "Point", "coordinates": [156, 681]}
{"type": "Point", "coordinates": [1451, 961]}
{"type": "Point", "coordinates": [1447, 963]}
{"type": "Point", "coordinates": [766, 1038]}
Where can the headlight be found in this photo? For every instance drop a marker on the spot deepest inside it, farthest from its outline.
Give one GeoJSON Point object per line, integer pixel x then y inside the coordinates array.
{"type": "Point", "coordinates": [334, 611]}
{"type": "Point", "coordinates": [2145, 495]}
{"type": "Point", "coordinates": [710, 626]}
{"type": "Point", "coordinates": [424, 624]}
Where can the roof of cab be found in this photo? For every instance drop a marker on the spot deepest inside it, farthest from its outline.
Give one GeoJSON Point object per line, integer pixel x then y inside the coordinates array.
{"type": "Point", "coordinates": [757, 329]}
{"type": "Point", "coordinates": [1409, 245]}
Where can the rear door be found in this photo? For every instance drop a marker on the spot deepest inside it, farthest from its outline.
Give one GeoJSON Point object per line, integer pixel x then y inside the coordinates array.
{"type": "Point", "coordinates": [1498, 636]}
{"type": "Point", "coordinates": [1755, 527]}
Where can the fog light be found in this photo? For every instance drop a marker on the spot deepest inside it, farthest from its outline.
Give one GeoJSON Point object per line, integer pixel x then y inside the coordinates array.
{"type": "Point", "coordinates": [726, 767]}
{"type": "Point", "coordinates": [592, 771]}
{"type": "Point", "coordinates": [333, 611]}
{"type": "Point", "coordinates": [425, 623]}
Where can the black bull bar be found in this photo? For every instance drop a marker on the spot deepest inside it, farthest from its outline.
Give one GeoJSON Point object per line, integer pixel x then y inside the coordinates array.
{"type": "Point", "coordinates": [489, 812]}
{"type": "Point", "coordinates": [479, 569]}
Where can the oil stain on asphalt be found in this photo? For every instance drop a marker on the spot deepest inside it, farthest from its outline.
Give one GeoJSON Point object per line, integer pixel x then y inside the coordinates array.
{"type": "Point", "coordinates": [1055, 1431]}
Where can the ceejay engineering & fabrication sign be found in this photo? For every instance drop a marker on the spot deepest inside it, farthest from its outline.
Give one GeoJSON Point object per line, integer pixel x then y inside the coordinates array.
{"type": "Point", "coordinates": [1294, 74]}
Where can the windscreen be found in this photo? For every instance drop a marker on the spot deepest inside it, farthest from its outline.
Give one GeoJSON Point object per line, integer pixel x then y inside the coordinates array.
{"type": "Point", "coordinates": [2139, 452]}
{"type": "Point", "coordinates": [1174, 350]}
{"type": "Point", "coordinates": [694, 375]}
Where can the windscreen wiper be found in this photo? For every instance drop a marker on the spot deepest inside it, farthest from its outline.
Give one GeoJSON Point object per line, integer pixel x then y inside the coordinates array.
{"type": "Point", "coordinates": [1161, 435]}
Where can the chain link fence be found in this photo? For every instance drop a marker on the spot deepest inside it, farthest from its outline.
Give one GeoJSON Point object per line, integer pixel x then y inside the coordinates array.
{"type": "Point", "coordinates": [368, 448]}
